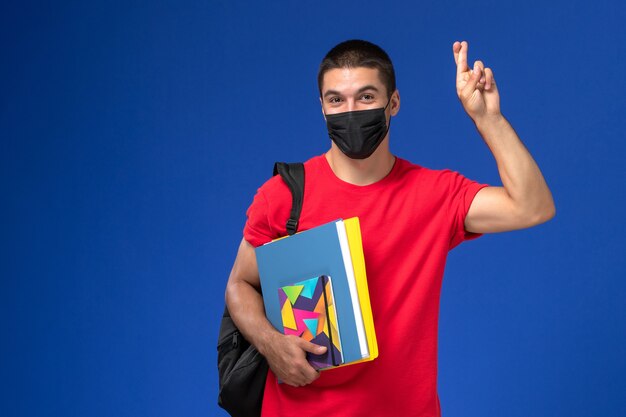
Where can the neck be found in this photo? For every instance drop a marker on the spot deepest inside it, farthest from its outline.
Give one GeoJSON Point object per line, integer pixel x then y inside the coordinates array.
{"type": "Point", "coordinates": [361, 171]}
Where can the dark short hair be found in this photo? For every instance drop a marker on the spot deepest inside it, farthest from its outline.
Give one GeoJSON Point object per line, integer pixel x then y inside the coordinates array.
{"type": "Point", "coordinates": [358, 53]}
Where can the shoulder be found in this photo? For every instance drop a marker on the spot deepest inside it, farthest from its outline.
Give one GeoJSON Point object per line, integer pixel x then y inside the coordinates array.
{"type": "Point", "coordinates": [276, 191]}
{"type": "Point", "coordinates": [437, 184]}
{"type": "Point", "coordinates": [425, 175]}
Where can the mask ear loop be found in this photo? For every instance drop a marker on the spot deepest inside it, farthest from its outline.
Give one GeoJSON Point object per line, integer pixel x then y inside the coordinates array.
{"type": "Point", "coordinates": [388, 124]}
{"type": "Point", "coordinates": [387, 105]}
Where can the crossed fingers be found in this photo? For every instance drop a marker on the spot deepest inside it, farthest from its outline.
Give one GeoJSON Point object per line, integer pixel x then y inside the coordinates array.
{"type": "Point", "coordinates": [478, 77]}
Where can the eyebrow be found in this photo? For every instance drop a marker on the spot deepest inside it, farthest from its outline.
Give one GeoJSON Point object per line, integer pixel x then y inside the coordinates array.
{"type": "Point", "coordinates": [362, 89]}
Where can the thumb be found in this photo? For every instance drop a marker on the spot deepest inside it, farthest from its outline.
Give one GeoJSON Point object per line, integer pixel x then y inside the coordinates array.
{"type": "Point", "coordinates": [475, 75]}
{"type": "Point", "coordinates": [313, 348]}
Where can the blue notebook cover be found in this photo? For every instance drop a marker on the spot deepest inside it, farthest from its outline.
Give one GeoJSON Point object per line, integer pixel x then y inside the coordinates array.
{"type": "Point", "coordinates": [311, 253]}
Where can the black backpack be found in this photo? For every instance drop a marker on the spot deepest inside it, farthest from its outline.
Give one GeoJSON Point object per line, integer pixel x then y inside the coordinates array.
{"type": "Point", "coordinates": [242, 369]}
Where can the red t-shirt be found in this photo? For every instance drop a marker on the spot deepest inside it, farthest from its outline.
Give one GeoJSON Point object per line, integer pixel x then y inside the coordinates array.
{"type": "Point", "coordinates": [409, 221]}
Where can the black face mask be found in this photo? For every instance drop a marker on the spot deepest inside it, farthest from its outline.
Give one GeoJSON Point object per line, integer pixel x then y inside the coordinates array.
{"type": "Point", "coordinates": [358, 133]}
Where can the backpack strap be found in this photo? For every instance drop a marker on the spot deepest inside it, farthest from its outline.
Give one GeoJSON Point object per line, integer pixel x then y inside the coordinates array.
{"type": "Point", "coordinates": [293, 175]}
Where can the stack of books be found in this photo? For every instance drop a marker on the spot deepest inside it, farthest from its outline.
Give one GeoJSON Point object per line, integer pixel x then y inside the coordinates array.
{"type": "Point", "coordinates": [314, 286]}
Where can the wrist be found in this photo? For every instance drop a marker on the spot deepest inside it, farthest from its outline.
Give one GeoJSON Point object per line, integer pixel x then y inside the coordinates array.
{"type": "Point", "coordinates": [266, 339]}
{"type": "Point", "coordinates": [488, 118]}
{"type": "Point", "coordinates": [489, 121]}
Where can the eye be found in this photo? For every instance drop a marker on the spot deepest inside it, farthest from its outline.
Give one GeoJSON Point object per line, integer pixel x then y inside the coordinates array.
{"type": "Point", "coordinates": [334, 100]}
{"type": "Point", "coordinates": [367, 97]}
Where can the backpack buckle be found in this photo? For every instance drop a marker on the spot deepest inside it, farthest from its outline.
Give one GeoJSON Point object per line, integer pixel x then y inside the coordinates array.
{"type": "Point", "coordinates": [292, 226]}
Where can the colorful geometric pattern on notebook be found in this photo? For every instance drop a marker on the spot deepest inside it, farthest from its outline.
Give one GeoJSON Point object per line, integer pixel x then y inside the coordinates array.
{"type": "Point", "coordinates": [307, 307]}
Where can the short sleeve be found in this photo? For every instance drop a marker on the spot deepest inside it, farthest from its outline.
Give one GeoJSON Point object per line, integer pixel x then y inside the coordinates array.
{"type": "Point", "coordinates": [462, 193]}
{"type": "Point", "coordinates": [257, 230]}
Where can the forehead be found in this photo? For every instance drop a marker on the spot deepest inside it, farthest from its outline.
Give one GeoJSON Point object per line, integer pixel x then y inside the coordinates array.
{"type": "Point", "coordinates": [347, 80]}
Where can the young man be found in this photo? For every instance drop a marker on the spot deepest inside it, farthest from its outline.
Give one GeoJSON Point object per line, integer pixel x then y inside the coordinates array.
{"type": "Point", "coordinates": [410, 218]}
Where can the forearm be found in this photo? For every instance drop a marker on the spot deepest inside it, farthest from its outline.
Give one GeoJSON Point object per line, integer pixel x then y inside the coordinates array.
{"type": "Point", "coordinates": [520, 175]}
{"type": "Point", "coordinates": [286, 355]}
{"type": "Point", "coordinates": [245, 306]}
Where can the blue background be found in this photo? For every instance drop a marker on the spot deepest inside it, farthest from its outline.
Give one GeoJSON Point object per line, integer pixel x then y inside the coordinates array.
{"type": "Point", "coordinates": [135, 134]}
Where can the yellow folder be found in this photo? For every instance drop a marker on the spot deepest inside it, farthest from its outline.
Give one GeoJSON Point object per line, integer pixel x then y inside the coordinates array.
{"type": "Point", "coordinates": [353, 230]}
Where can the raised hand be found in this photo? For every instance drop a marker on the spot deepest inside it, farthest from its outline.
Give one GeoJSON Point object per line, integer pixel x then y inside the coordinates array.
{"type": "Point", "coordinates": [475, 87]}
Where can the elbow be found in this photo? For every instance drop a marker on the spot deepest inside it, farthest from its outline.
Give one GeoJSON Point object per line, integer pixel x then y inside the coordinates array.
{"type": "Point", "coordinates": [230, 295]}
{"type": "Point", "coordinates": [226, 293]}
{"type": "Point", "coordinates": [542, 214]}
{"type": "Point", "coordinates": [550, 212]}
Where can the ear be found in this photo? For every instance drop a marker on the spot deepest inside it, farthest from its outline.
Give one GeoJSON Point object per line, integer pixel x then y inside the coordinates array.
{"type": "Point", "coordinates": [395, 103]}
